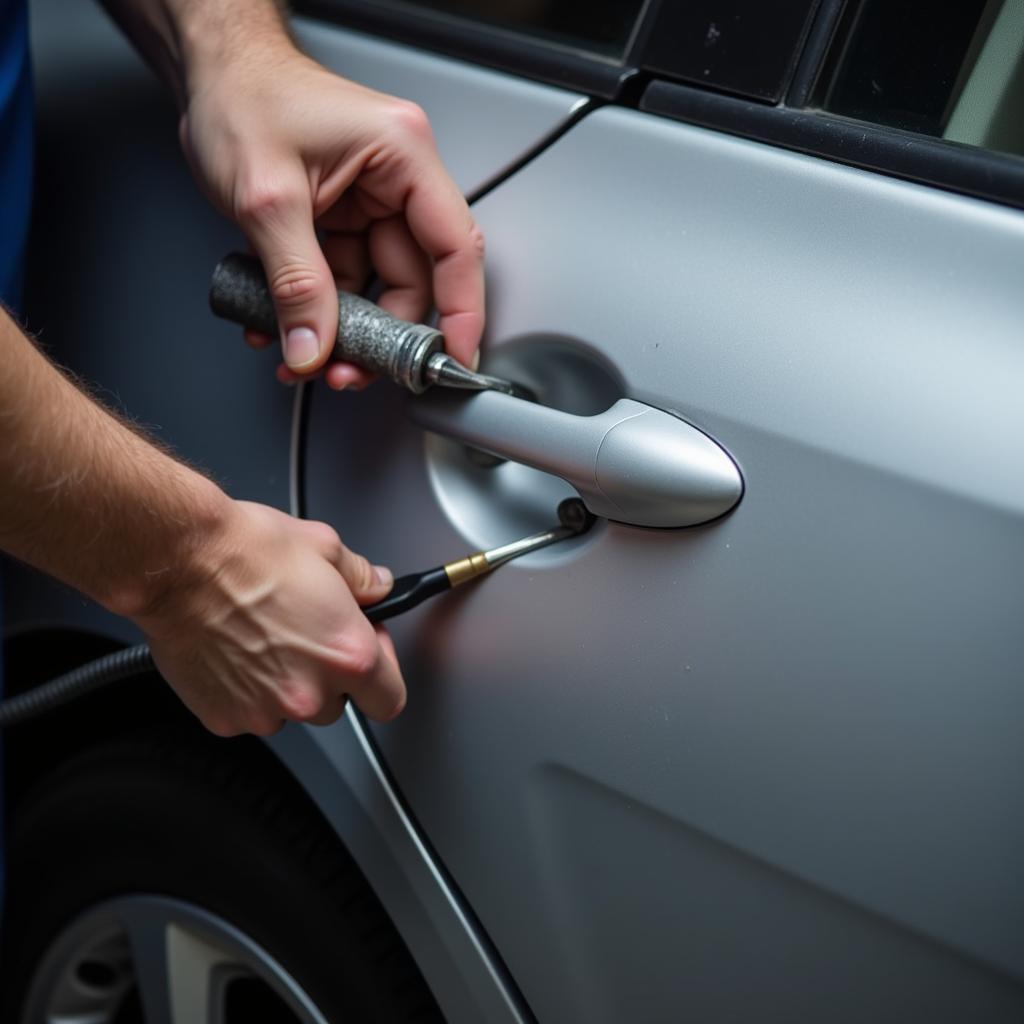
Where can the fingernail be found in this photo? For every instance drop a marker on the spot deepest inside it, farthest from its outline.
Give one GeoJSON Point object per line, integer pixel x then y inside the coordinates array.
{"type": "Point", "coordinates": [475, 365]}
{"type": "Point", "coordinates": [301, 347]}
{"type": "Point", "coordinates": [384, 575]}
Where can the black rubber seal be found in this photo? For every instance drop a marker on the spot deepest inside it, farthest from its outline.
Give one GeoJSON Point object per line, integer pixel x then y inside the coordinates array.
{"type": "Point", "coordinates": [949, 165]}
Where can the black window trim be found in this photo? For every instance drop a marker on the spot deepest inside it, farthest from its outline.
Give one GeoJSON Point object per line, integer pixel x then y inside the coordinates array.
{"type": "Point", "coordinates": [521, 55]}
{"type": "Point", "coordinates": [920, 158]}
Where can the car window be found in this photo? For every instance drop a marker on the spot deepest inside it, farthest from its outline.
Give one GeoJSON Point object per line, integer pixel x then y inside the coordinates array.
{"type": "Point", "coordinates": [954, 71]}
{"type": "Point", "coordinates": [601, 27]}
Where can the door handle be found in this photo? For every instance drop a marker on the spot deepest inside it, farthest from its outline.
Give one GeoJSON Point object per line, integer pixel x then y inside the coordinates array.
{"type": "Point", "coordinates": [632, 463]}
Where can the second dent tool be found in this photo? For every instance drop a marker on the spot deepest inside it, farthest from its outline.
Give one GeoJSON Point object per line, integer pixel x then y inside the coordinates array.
{"type": "Point", "coordinates": [411, 355]}
{"type": "Point", "coordinates": [409, 591]}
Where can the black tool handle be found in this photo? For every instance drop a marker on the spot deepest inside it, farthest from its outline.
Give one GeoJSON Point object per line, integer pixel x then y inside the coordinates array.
{"type": "Point", "coordinates": [367, 335]}
{"type": "Point", "coordinates": [408, 592]}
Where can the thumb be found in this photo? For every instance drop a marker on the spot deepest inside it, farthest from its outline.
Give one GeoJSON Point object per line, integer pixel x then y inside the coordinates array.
{"type": "Point", "coordinates": [279, 222]}
{"type": "Point", "coordinates": [368, 583]}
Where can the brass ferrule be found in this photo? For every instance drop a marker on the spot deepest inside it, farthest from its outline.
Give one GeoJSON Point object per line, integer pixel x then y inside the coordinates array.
{"type": "Point", "coordinates": [466, 569]}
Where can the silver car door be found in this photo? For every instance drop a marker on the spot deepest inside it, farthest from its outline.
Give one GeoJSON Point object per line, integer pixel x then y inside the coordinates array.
{"type": "Point", "coordinates": [768, 767]}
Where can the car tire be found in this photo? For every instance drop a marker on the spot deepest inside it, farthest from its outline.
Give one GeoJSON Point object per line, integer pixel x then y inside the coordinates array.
{"type": "Point", "coordinates": [190, 821]}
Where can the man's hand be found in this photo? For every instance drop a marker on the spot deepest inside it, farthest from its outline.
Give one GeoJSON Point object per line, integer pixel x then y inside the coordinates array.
{"type": "Point", "coordinates": [253, 616]}
{"type": "Point", "coordinates": [263, 626]}
{"type": "Point", "coordinates": [285, 147]}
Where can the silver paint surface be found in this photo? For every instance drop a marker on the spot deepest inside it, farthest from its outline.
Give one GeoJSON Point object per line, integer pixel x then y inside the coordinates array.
{"type": "Point", "coordinates": [769, 767]}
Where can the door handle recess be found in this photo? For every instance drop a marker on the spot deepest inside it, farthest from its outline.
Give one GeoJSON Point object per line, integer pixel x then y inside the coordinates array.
{"type": "Point", "coordinates": [632, 463]}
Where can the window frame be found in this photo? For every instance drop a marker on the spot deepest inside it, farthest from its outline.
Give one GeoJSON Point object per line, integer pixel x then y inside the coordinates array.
{"type": "Point", "coordinates": [793, 122]}
{"type": "Point", "coordinates": [797, 124]}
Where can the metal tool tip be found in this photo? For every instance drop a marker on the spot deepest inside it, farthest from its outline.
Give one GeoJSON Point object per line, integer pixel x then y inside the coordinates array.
{"type": "Point", "coordinates": [442, 369]}
{"type": "Point", "coordinates": [575, 516]}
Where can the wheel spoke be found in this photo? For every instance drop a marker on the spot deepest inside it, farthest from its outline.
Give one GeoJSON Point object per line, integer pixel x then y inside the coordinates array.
{"type": "Point", "coordinates": [196, 969]}
{"type": "Point", "coordinates": [147, 934]}
{"type": "Point", "coordinates": [179, 972]}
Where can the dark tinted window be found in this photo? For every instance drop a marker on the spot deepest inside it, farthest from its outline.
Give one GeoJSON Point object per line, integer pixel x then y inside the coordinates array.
{"type": "Point", "coordinates": [596, 26]}
{"type": "Point", "coordinates": [742, 46]}
{"type": "Point", "coordinates": [954, 70]}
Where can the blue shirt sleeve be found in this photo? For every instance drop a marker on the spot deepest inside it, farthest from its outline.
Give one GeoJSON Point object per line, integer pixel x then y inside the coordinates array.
{"type": "Point", "coordinates": [15, 182]}
{"type": "Point", "coordinates": [15, 146]}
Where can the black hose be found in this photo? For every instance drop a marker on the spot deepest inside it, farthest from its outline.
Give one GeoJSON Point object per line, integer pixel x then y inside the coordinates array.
{"type": "Point", "coordinates": [133, 661]}
{"type": "Point", "coordinates": [39, 700]}
{"type": "Point", "coordinates": [407, 592]}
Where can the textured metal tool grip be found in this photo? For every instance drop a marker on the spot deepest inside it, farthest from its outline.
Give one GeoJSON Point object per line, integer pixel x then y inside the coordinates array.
{"type": "Point", "coordinates": [367, 336]}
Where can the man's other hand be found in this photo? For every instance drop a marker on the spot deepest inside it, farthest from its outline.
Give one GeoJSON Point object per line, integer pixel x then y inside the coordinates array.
{"type": "Point", "coordinates": [287, 149]}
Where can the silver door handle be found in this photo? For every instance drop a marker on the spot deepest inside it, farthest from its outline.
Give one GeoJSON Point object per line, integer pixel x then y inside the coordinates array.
{"type": "Point", "coordinates": [632, 463]}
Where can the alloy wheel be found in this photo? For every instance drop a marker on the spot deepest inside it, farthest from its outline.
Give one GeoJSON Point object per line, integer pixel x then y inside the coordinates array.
{"type": "Point", "coordinates": [154, 960]}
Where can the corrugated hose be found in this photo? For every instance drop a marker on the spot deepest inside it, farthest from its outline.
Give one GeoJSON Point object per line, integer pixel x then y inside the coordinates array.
{"type": "Point", "coordinates": [110, 669]}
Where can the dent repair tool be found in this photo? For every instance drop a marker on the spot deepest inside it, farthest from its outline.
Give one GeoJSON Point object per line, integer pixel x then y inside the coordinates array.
{"type": "Point", "coordinates": [407, 592]}
{"type": "Point", "coordinates": [411, 355]}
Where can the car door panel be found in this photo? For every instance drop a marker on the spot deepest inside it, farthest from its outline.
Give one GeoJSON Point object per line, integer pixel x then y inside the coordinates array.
{"type": "Point", "coordinates": [770, 764]}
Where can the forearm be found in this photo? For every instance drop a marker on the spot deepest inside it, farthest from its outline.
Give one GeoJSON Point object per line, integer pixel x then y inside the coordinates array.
{"type": "Point", "coordinates": [183, 40]}
{"type": "Point", "coordinates": [86, 499]}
